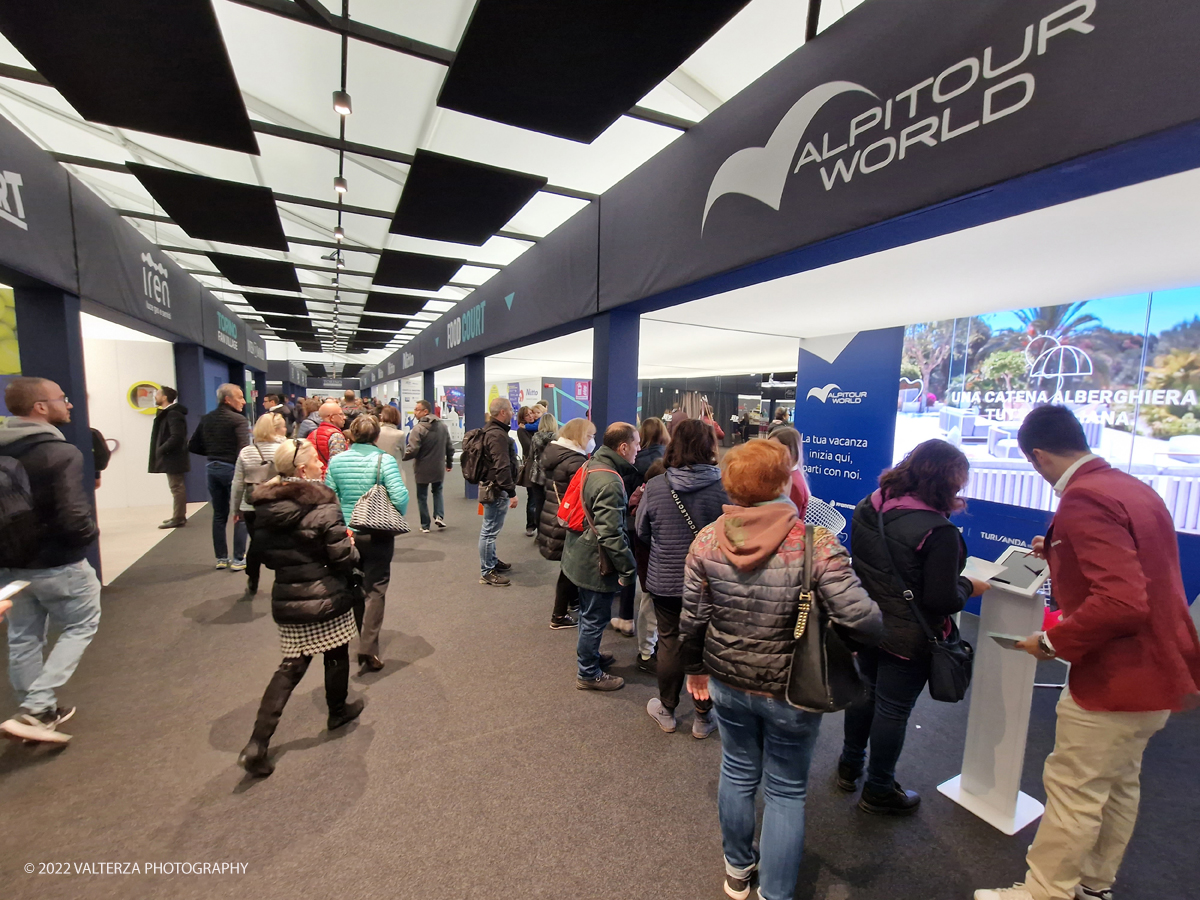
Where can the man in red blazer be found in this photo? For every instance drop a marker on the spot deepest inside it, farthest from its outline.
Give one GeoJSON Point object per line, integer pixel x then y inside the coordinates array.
{"type": "Point", "coordinates": [1114, 566]}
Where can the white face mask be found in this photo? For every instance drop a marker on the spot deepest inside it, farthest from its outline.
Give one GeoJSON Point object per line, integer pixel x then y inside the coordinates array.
{"type": "Point", "coordinates": [591, 445]}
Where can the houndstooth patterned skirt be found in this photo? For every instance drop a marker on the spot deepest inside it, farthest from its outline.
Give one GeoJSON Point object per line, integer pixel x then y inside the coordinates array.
{"type": "Point", "coordinates": [309, 640]}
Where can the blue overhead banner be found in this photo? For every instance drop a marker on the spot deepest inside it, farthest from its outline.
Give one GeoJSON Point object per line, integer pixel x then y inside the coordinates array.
{"type": "Point", "coordinates": [846, 393]}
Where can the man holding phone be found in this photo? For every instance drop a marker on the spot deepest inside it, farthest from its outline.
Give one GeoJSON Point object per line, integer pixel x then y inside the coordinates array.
{"type": "Point", "coordinates": [63, 589]}
{"type": "Point", "coordinates": [1134, 654]}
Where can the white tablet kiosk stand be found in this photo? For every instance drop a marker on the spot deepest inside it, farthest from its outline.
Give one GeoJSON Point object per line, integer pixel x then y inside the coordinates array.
{"type": "Point", "coordinates": [1001, 696]}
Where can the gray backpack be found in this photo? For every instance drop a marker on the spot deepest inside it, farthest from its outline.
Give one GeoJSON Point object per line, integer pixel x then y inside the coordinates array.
{"type": "Point", "coordinates": [257, 473]}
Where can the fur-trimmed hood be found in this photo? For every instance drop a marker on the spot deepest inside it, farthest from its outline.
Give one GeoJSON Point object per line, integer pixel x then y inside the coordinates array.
{"type": "Point", "coordinates": [283, 502]}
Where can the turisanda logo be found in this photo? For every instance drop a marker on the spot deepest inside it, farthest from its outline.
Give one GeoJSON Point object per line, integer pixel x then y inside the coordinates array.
{"type": "Point", "coordinates": [762, 172]}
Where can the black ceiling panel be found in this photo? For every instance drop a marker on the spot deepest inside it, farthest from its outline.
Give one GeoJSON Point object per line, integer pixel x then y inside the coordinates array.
{"type": "Point", "coordinates": [137, 64]}
{"type": "Point", "coordinates": [351, 370]}
{"type": "Point", "coordinates": [398, 268]}
{"type": "Point", "coordinates": [571, 69]}
{"type": "Point", "coordinates": [271, 303]}
{"type": "Point", "coordinates": [316, 370]}
{"type": "Point", "coordinates": [382, 323]}
{"type": "Point", "coordinates": [309, 346]}
{"type": "Point", "coordinates": [449, 199]}
{"type": "Point", "coordinates": [256, 271]}
{"type": "Point", "coordinates": [211, 209]}
{"type": "Point", "coordinates": [394, 304]}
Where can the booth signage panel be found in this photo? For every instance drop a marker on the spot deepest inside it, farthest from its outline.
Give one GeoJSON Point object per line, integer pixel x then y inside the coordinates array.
{"type": "Point", "coordinates": [120, 269]}
{"type": "Point", "coordinates": [227, 334]}
{"type": "Point", "coordinates": [297, 374]}
{"type": "Point", "coordinates": [36, 237]}
{"type": "Point", "coordinates": [846, 412]}
{"type": "Point", "coordinates": [896, 107]}
{"type": "Point", "coordinates": [550, 284]}
{"type": "Point", "coordinates": [256, 350]}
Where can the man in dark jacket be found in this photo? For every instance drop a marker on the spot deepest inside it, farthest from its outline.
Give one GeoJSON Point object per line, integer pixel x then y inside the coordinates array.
{"type": "Point", "coordinates": [603, 496]}
{"type": "Point", "coordinates": [169, 451]}
{"type": "Point", "coordinates": [429, 444]}
{"type": "Point", "coordinates": [63, 589]}
{"type": "Point", "coordinates": [497, 489]}
{"type": "Point", "coordinates": [220, 436]}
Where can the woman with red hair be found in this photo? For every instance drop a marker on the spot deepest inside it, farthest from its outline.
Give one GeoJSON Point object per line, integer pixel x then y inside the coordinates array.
{"type": "Point", "coordinates": [742, 578]}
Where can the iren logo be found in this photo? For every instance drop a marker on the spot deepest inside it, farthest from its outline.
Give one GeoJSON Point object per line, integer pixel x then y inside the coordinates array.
{"type": "Point", "coordinates": [11, 208]}
{"type": "Point", "coordinates": [154, 286]}
{"type": "Point", "coordinates": [915, 119]}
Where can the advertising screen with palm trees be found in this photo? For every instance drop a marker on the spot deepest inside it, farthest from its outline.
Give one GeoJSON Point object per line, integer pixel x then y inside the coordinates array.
{"type": "Point", "coordinates": [1129, 367]}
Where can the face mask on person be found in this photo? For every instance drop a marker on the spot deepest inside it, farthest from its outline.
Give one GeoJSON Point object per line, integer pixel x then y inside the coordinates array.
{"type": "Point", "coordinates": [591, 445]}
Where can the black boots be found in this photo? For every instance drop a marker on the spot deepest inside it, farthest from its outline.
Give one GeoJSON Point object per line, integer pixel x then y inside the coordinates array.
{"type": "Point", "coordinates": [254, 757]}
{"type": "Point", "coordinates": [847, 777]}
{"type": "Point", "coordinates": [348, 713]}
{"type": "Point", "coordinates": [337, 685]}
{"type": "Point", "coordinates": [896, 802]}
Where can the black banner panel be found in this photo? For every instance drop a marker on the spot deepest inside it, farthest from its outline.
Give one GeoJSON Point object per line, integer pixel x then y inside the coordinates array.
{"type": "Point", "coordinates": [896, 107]}
{"type": "Point", "coordinates": [36, 238]}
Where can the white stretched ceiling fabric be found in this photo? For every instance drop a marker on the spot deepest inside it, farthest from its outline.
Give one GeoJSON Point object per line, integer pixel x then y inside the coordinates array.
{"type": "Point", "coordinates": [1133, 239]}
{"type": "Point", "coordinates": [287, 70]}
{"type": "Point", "coordinates": [97, 329]}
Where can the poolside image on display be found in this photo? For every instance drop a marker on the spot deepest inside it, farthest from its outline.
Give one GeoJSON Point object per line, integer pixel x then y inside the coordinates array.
{"type": "Point", "coordinates": [1128, 367]}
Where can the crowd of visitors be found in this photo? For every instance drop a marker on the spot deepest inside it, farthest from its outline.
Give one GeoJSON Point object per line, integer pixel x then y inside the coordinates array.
{"type": "Point", "coordinates": [731, 578]}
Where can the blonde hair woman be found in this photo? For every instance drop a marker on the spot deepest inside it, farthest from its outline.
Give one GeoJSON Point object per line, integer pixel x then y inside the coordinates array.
{"type": "Point", "coordinates": [559, 462]}
{"type": "Point", "coordinates": [255, 465]}
{"type": "Point", "coordinates": [304, 540]}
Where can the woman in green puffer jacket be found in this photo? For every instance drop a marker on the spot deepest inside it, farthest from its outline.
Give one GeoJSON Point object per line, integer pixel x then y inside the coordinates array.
{"type": "Point", "coordinates": [351, 474]}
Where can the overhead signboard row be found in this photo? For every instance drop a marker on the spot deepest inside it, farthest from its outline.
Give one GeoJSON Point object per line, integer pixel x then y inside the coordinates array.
{"type": "Point", "coordinates": [55, 229]}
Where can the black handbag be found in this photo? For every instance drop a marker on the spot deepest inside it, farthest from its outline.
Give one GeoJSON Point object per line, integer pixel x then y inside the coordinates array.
{"type": "Point", "coordinates": [952, 658]}
{"type": "Point", "coordinates": [823, 675]}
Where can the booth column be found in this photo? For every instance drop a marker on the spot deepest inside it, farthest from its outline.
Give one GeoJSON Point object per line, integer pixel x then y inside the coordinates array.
{"type": "Point", "coordinates": [51, 346]}
{"type": "Point", "coordinates": [428, 388]}
{"type": "Point", "coordinates": [614, 369]}
{"type": "Point", "coordinates": [475, 402]}
{"type": "Point", "coordinates": [189, 382]}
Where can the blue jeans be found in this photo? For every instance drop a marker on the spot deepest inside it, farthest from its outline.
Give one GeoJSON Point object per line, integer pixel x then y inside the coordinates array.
{"type": "Point", "coordinates": [67, 597]}
{"type": "Point", "coordinates": [493, 521]}
{"type": "Point", "coordinates": [439, 508]}
{"type": "Point", "coordinates": [882, 717]}
{"type": "Point", "coordinates": [220, 483]}
{"type": "Point", "coordinates": [763, 740]}
{"type": "Point", "coordinates": [595, 609]}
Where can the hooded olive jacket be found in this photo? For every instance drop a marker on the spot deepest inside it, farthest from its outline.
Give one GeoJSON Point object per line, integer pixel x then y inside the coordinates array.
{"type": "Point", "coordinates": [604, 495]}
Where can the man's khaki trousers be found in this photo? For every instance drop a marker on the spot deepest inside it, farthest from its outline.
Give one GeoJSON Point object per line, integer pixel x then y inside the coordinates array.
{"type": "Point", "coordinates": [1092, 791]}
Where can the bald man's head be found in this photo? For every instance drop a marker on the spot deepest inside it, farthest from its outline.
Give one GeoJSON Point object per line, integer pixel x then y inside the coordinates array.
{"type": "Point", "coordinates": [331, 411]}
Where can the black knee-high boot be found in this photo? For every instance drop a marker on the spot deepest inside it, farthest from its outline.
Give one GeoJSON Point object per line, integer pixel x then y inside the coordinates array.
{"type": "Point", "coordinates": [337, 686]}
{"type": "Point", "coordinates": [254, 757]}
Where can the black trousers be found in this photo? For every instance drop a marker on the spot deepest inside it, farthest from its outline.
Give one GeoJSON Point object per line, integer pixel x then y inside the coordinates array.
{"type": "Point", "coordinates": [284, 681]}
{"type": "Point", "coordinates": [533, 505]}
{"type": "Point", "coordinates": [375, 551]}
{"type": "Point", "coordinates": [670, 669]}
{"type": "Point", "coordinates": [253, 558]}
{"type": "Point", "coordinates": [565, 594]}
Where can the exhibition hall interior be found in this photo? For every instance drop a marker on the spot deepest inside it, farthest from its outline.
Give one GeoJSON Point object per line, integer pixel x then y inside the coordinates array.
{"type": "Point", "coordinates": [370, 234]}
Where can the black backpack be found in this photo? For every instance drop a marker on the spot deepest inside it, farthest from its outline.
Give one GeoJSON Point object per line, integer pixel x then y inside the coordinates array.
{"type": "Point", "coordinates": [18, 524]}
{"type": "Point", "coordinates": [472, 459]}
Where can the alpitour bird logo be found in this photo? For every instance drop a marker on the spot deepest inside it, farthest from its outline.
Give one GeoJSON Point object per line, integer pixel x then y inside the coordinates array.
{"type": "Point", "coordinates": [822, 393]}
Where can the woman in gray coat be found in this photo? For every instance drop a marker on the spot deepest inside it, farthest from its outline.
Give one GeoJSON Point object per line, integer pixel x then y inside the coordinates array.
{"type": "Point", "coordinates": [741, 583]}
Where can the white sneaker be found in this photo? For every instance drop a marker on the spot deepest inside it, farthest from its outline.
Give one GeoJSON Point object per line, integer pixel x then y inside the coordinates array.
{"type": "Point", "coordinates": [439, 522]}
{"type": "Point", "coordinates": [624, 626]}
{"type": "Point", "coordinates": [1082, 893]}
{"type": "Point", "coordinates": [29, 727]}
{"type": "Point", "coordinates": [1016, 892]}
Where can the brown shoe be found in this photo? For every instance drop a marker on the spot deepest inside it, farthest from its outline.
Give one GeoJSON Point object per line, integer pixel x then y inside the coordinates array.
{"type": "Point", "coordinates": [603, 682]}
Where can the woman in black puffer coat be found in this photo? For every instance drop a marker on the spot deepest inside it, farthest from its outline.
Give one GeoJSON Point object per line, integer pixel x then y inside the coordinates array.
{"type": "Point", "coordinates": [302, 537]}
{"type": "Point", "coordinates": [559, 462]}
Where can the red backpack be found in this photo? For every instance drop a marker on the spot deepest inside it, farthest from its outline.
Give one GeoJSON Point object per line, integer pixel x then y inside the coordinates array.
{"type": "Point", "coordinates": [570, 508]}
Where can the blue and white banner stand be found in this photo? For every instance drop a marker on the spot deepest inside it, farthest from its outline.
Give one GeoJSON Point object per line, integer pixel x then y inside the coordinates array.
{"type": "Point", "coordinates": [847, 387]}
{"type": "Point", "coordinates": [1001, 698]}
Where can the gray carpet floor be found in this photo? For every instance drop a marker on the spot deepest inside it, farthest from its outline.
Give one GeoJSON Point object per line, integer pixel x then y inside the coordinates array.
{"type": "Point", "coordinates": [477, 769]}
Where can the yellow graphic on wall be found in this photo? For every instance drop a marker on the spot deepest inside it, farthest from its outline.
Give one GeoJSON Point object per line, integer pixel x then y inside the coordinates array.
{"type": "Point", "coordinates": [141, 397]}
{"type": "Point", "coordinates": [493, 393]}
{"type": "Point", "coordinates": [10, 358]}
